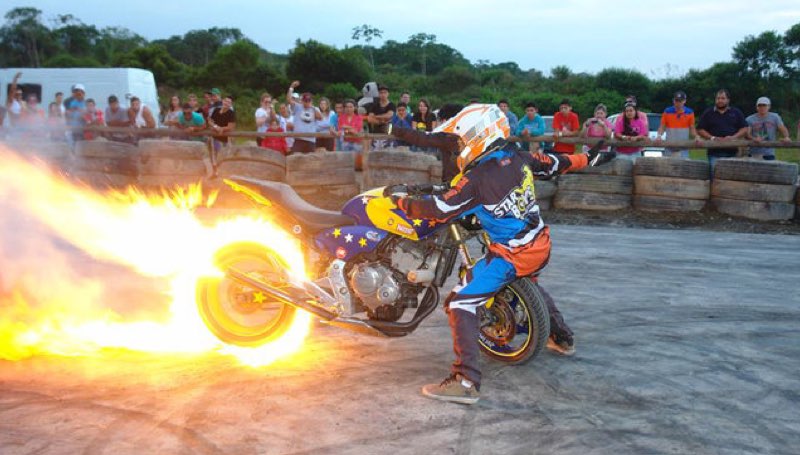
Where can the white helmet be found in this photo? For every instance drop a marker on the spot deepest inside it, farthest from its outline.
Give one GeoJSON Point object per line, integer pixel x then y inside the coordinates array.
{"type": "Point", "coordinates": [478, 126]}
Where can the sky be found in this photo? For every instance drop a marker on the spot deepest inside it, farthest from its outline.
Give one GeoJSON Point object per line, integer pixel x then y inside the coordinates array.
{"type": "Point", "coordinates": [659, 38]}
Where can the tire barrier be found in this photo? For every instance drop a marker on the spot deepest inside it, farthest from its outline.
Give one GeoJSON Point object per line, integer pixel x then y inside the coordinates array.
{"type": "Point", "coordinates": [326, 179]}
{"type": "Point", "coordinates": [797, 204]}
{"type": "Point", "coordinates": [759, 190]}
{"type": "Point", "coordinates": [252, 161]}
{"type": "Point", "coordinates": [168, 163]}
{"type": "Point", "coordinates": [608, 187]}
{"type": "Point", "coordinates": [102, 164]}
{"type": "Point", "coordinates": [545, 190]}
{"type": "Point", "coordinates": [387, 167]}
{"type": "Point", "coordinates": [57, 155]}
{"type": "Point", "coordinates": [670, 185]}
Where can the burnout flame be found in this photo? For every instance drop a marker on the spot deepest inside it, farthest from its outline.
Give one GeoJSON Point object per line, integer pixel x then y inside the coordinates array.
{"type": "Point", "coordinates": [43, 304]}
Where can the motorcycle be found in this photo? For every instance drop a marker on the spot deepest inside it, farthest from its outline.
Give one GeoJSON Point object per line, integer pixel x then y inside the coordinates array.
{"type": "Point", "coordinates": [370, 264]}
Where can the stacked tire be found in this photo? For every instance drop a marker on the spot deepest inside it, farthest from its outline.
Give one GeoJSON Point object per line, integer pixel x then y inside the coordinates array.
{"type": "Point", "coordinates": [323, 178]}
{"type": "Point", "coordinates": [759, 190]}
{"type": "Point", "coordinates": [607, 187]}
{"type": "Point", "coordinates": [388, 167]}
{"type": "Point", "coordinates": [105, 164]}
{"type": "Point", "coordinates": [57, 155]}
{"type": "Point", "coordinates": [167, 163]}
{"type": "Point", "coordinates": [670, 185]}
{"type": "Point", "coordinates": [544, 191]}
{"type": "Point", "coordinates": [252, 161]}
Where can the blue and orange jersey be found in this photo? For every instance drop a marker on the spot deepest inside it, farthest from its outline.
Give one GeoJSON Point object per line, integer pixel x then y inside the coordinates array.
{"type": "Point", "coordinates": [673, 119]}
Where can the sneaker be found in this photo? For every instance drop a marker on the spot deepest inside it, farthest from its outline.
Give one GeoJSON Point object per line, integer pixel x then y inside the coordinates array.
{"type": "Point", "coordinates": [560, 346]}
{"type": "Point", "coordinates": [455, 388]}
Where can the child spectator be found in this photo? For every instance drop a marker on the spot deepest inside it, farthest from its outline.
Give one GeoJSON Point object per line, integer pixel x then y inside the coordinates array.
{"type": "Point", "coordinates": [276, 143]}
{"type": "Point", "coordinates": [92, 117]}
{"type": "Point", "coordinates": [401, 119]}
{"type": "Point", "coordinates": [531, 125]}
{"type": "Point", "coordinates": [565, 124]}
{"type": "Point", "coordinates": [597, 126]}
{"type": "Point", "coordinates": [338, 109]}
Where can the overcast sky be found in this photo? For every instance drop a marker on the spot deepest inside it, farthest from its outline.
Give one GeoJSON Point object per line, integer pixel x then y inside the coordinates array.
{"type": "Point", "coordinates": [659, 38]}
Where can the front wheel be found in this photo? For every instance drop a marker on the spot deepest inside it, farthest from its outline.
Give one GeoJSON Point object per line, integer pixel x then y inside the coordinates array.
{"type": "Point", "coordinates": [237, 314]}
{"type": "Point", "coordinates": [515, 326]}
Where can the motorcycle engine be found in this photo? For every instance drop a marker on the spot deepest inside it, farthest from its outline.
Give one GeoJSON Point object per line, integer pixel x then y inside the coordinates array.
{"type": "Point", "coordinates": [386, 291]}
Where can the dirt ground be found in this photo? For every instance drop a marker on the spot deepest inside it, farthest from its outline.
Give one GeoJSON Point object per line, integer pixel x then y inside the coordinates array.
{"type": "Point", "coordinates": [687, 342]}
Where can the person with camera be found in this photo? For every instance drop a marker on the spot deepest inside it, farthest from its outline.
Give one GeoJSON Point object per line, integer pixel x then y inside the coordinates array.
{"type": "Point", "coordinates": [305, 119]}
{"type": "Point", "coordinates": [597, 126]}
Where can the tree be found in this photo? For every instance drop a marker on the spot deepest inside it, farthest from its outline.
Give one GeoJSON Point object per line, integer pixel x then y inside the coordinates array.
{"type": "Point", "coordinates": [155, 58]}
{"type": "Point", "coordinates": [626, 82]}
{"type": "Point", "coordinates": [317, 65]}
{"type": "Point", "coordinates": [422, 41]}
{"type": "Point", "coordinates": [116, 41]}
{"type": "Point", "coordinates": [74, 37]}
{"type": "Point", "coordinates": [764, 56]}
{"type": "Point", "coordinates": [25, 40]}
{"type": "Point", "coordinates": [238, 66]}
{"type": "Point", "coordinates": [367, 33]}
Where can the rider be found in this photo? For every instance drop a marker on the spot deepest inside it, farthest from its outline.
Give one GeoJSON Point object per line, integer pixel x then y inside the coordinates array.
{"type": "Point", "coordinates": [497, 187]}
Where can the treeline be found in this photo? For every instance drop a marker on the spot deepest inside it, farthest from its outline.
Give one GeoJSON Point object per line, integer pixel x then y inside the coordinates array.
{"type": "Point", "coordinates": [763, 65]}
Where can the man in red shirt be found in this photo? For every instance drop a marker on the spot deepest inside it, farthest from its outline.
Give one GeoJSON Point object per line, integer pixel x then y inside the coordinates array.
{"type": "Point", "coordinates": [565, 124]}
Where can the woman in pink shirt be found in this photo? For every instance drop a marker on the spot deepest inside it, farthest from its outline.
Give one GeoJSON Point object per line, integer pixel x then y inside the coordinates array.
{"type": "Point", "coordinates": [350, 124]}
{"type": "Point", "coordinates": [597, 127]}
{"type": "Point", "coordinates": [630, 127]}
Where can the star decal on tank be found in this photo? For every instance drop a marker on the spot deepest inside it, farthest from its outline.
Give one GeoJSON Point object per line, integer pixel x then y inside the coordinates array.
{"type": "Point", "coordinates": [336, 233]}
{"type": "Point", "coordinates": [348, 238]}
{"type": "Point", "coordinates": [362, 241]}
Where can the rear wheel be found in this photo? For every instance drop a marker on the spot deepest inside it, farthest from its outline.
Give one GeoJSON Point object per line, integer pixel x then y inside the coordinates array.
{"type": "Point", "coordinates": [514, 329]}
{"type": "Point", "coordinates": [238, 314]}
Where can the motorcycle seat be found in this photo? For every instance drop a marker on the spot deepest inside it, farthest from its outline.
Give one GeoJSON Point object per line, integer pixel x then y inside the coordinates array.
{"type": "Point", "coordinates": [309, 215]}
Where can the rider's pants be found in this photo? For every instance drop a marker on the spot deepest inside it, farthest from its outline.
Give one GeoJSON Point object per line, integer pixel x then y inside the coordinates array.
{"type": "Point", "coordinates": [488, 276]}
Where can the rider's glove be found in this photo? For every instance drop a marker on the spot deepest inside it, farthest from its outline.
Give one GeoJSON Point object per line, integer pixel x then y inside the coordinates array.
{"type": "Point", "coordinates": [597, 158]}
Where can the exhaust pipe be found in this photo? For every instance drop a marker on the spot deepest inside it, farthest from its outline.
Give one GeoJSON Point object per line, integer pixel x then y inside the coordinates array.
{"type": "Point", "coordinates": [278, 294]}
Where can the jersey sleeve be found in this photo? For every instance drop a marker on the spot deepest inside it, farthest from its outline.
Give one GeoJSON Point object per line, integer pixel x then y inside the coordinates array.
{"type": "Point", "coordinates": [545, 165]}
{"type": "Point", "coordinates": [463, 197]}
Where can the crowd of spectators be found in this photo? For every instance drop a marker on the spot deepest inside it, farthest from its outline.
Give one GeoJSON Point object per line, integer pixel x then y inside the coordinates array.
{"type": "Point", "coordinates": [342, 122]}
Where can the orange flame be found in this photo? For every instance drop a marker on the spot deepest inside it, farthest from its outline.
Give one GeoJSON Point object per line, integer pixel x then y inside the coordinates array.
{"type": "Point", "coordinates": [48, 309]}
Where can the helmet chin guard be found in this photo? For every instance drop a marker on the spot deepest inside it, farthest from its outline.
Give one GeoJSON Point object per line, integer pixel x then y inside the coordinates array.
{"type": "Point", "coordinates": [478, 126]}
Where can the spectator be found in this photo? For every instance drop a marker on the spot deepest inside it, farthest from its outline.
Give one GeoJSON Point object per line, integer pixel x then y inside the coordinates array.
{"type": "Point", "coordinates": [401, 120]}
{"type": "Point", "coordinates": [276, 143]}
{"type": "Point", "coordinates": [59, 100]}
{"type": "Point", "coordinates": [139, 115]}
{"type": "Point", "coordinates": [263, 114]}
{"type": "Point", "coordinates": [2, 119]}
{"type": "Point", "coordinates": [221, 120]}
{"type": "Point", "coordinates": [75, 110]}
{"type": "Point", "coordinates": [338, 110]}
{"type": "Point", "coordinates": [532, 124]}
{"type": "Point", "coordinates": [721, 123]}
{"type": "Point", "coordinates": [173, 111]}
{"type": "Point", "coordinates": [324, 125]}
{"type": "Point", "coordinates": [632, 99]}
{"type": "Point", "coordinates": [764, 126]}
{"type": "Point", "coordinates": [305, 117]}
{"type": "Point", "coordinates": [597, 127]}
{"type": "Point", "coordinates": [33, 112]}
{"type": "Point", "coordinates": [512, 117]}
{"type": "Point", "coordinates": [447, 144]}
{"type": "Point", "coordinates": [632, 128]}
{"type": "Point", "coordinates": [92, 117]}
{"type": "Point", "coordinates": [350, 124]}
{"type": "Point", "coordinates": [379, 115]}
{"type": "Point", "coordinates": [192, 100]}
{"type": "Point", "coordinates": [55, 122]}
{"type": "Point", "coordinates": [424, 120]}
{"type": "Point", "coordinates": [14, 102]}
{"type": "Point", "coordinates": [117, 117]}
{"type": "Point", "coordinates": [206, 107]}
{"type": "Point", "coordinates": [405, 97]}
{"type": "Point", "coordinates": [286, 122]}
{"type": "Point", "coordinates": [678, 123]}
{"type": "Point", "coordinates": [565, 124]}
{"type": "Point", "coordinates": [191, 121]}
{"type": "Point", "coordinates": [214, 99]}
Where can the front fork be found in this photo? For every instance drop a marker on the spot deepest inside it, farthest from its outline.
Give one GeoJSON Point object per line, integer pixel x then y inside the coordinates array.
{"type": "Point", "coordinates": [464, 252]}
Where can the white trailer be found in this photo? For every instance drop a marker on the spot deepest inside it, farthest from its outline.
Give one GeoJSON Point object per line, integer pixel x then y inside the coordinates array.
{"type": "Point", "coordinates": [100, 83]}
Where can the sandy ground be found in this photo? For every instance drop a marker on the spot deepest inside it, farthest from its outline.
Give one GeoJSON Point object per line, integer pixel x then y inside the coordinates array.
{"type": "Point", "coordinates": [688, 342]}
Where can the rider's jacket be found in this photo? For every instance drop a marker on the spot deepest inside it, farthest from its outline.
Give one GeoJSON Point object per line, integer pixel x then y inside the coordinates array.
{"type": "Point", "coordinates": [500, 191]}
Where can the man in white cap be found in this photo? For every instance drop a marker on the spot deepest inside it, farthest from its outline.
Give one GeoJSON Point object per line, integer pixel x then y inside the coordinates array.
{"type": "Point", "coordinates": [763, 127]}
{"type": "Point", "coordinates": [75, 110]}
